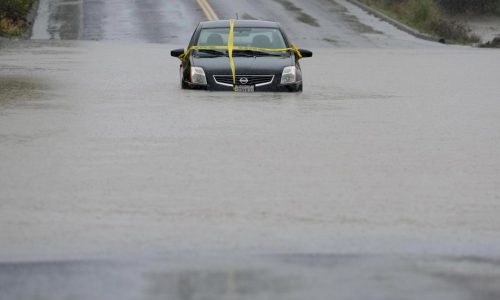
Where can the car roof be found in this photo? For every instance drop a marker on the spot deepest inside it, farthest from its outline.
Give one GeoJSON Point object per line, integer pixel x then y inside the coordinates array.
{"type": "Point", "coordinates": [240, 23]}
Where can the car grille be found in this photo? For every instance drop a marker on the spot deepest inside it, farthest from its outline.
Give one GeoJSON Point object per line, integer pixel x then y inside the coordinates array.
{"type": "Point", "coordinates": [257, 80]}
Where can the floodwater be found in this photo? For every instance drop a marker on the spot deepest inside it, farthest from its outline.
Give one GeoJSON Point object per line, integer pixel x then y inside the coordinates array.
{"type": "Point", "coordinates": [380, 180]}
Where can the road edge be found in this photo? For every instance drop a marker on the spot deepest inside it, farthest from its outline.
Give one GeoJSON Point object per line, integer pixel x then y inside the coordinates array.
{"type": "Point", "coordinates": [31, 20]}
{"type": "Point", "coordinates": [377, 13]}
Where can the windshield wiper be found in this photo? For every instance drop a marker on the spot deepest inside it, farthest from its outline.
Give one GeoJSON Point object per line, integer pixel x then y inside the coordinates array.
{"type": "Point", "coordinates": [213, 52]}
{"type": "Point", "coordinates": [257, 53]}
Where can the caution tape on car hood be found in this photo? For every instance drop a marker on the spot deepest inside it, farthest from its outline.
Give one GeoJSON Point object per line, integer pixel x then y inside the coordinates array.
{"type": "Point", "coordinates": [230, 47]}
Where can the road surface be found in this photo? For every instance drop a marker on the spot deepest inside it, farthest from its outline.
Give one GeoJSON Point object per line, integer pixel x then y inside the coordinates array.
{"type": "Point", "coordinates": [319, 23]}
{"type": "Point", "coordinates": [380, 181]}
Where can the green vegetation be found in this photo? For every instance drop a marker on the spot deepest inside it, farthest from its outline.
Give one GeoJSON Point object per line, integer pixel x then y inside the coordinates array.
{"type": "Point", "coordinates": [429, 16]}
{"type": "Point", "coordinates": [470, 6]}
{"type": "Point", "coordinates": [13, 15]}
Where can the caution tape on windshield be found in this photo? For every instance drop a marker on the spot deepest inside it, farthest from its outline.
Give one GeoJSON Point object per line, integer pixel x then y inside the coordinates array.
{"type": "Point", "coordinates": [230, 47]}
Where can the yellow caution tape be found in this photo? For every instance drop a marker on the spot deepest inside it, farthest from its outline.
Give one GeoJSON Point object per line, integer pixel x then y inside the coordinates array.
{"type": "Point", "coordinates": [230, 48]}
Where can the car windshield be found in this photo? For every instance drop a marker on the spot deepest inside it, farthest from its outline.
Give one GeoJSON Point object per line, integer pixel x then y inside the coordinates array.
{"type": "Point", "coordinates": [263, 38]}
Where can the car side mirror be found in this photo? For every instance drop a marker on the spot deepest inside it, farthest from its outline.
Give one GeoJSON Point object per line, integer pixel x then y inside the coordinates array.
{"type": "Point", "coordinates": [306, 53]}
{"type": "Point", "coordinates": [177, 52]}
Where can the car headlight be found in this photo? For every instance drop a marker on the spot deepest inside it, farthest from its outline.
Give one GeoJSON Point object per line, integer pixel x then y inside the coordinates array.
{"type": "Point", "coordinates": [289, 75]}
{"type": "Point", "coordinates": [198, 76]}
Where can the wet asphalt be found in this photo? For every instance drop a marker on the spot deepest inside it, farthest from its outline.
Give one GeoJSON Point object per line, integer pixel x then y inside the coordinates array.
{"type": "Point", "coordinates": [380, 181]}
{"type": "Point", "coordinates": [152, 21]}
{"type": "Point", "coordinates": [319, 23]}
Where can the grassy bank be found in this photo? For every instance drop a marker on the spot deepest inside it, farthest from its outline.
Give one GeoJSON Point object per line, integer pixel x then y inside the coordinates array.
{"type": "Point", "coordinates": [470, 6]}
{"type": "Point", "coordinates": [430, 16]}
{"type": "Point", "coordinates": [13, 17]}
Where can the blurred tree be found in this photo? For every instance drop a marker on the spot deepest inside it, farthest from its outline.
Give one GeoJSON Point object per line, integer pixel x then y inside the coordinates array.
{"type": "Point", "coordinates": [15, 9]}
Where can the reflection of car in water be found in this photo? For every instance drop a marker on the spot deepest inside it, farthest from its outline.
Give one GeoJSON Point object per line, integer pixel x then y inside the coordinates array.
{"type": "Point", "coordinates": [241, 55]}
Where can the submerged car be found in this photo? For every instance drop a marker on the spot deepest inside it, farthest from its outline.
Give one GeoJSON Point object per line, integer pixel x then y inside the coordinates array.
{"type": "Point", "coordinates": [241, 55]}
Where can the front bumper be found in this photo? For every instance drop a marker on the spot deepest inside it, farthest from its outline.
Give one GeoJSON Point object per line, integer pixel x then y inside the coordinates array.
{"type": "Point", "coordinates": [275, 86]}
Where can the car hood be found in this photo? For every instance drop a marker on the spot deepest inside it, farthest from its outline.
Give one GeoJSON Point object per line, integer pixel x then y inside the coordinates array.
{"type": "Point", "coordinates": [244, 65]}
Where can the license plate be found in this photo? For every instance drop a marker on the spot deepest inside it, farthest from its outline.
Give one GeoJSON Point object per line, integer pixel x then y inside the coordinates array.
{"type": "Point", "coordinates": [244, 88]}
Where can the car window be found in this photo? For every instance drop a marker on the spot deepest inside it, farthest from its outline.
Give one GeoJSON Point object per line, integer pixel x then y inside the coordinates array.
{"type": "Point", "coordinates": [244, 37]}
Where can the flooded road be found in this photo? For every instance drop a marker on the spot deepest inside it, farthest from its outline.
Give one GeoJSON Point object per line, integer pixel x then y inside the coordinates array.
{"type": "Point", "coordinates": [104, 157]}
{"type": "Point", "coordinates": [380, 181]}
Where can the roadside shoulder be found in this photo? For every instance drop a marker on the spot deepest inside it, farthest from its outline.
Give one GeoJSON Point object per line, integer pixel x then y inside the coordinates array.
{"type": "Point", "coordinates": [30, 18]}
{"type": "Point", "coordinates": [395, 22]}
{"type": "Point", "coordinates": [434, 21]}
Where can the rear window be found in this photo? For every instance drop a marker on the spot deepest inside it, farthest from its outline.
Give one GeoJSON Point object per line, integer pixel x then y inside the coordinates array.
{"type": "Point", "coordinates": [243, 37]}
